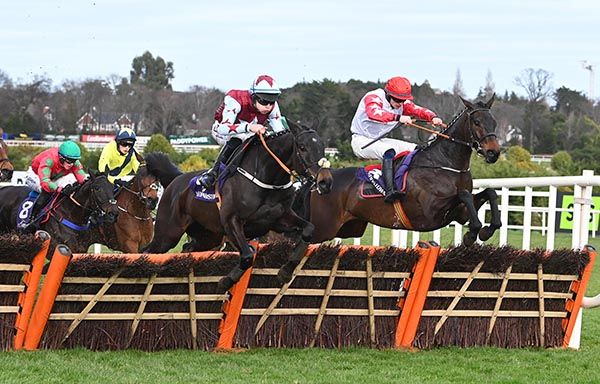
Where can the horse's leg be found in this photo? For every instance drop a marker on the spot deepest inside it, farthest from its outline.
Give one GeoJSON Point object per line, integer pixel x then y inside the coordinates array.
{"type": "Point", "coordinates": [234, 228]}
{"type": "Point", "coordinates": [474, 224]}
{"type": "Point", "coordinates": [490, 195]}
{"type": "Point", "coordinates": [300, 231]}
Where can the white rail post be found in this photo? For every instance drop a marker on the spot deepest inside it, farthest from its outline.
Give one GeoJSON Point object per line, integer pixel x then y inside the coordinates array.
{"type": "Point", "coordinates": [527, 218]}
{"type": "Point", "coordinates": [551, 217]}
{"type": "Point", "coordinates": [586, 204]}
{"type": "Point", "coordinates": [504, 203]}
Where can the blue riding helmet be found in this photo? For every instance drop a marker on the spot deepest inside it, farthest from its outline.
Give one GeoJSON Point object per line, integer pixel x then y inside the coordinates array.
{"type": "Point", "coordinates": [126, 135]}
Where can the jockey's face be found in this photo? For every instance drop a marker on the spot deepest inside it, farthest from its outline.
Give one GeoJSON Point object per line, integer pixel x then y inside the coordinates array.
{"type": "Point", "coordinates": [67, 164]}
{"type": "Point", "coordinates": [123, 147]}
{"type": "Point", "coordinates": [396, 103]}
{"type": "Point", "coordinates": [263, 106]}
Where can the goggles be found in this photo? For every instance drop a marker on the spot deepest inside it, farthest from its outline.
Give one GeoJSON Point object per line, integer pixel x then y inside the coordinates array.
{"type": "Point", "coordinates": [264, 102]}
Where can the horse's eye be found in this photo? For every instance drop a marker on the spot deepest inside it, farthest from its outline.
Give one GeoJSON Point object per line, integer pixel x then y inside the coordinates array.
{"type": "Point", "coordinates": [477, 122]}
{"type": "Point", "coordinates": [302, 147]}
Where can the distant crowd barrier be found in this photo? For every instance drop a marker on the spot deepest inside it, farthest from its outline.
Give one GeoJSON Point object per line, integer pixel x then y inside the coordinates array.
{"type": "Point", "coordinates": [340, 296]}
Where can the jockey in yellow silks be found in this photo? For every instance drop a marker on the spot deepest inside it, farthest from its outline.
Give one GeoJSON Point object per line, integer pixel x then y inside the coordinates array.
{"type": "Point", "coordinates": [118, 158]}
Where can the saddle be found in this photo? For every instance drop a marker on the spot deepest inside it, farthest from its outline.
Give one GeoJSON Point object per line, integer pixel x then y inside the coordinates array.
{"type": "Point", "coordinates": [373, 183]}
{"type": "Point", "coordinates": [226, 170]}
{"type": "Point", "coordinates": [24, 218]}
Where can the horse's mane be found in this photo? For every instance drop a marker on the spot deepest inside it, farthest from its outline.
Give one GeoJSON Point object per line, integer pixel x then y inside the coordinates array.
{"type": "Point", "coordinates": [159, 164]}
{"type": "Point", "coordinates": [450, 125]}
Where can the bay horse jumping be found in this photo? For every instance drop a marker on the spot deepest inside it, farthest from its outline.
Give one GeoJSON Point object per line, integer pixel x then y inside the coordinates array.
{"type": "Point", "coordinates": [6, 167]}
{"type": "Point", "coordinates": [69, 215]}
{"type": "Point", "coordinates": [256, 198]}
{"type": "Point", "coordinates": [136, 200]}
{"type": "Point", "coordinates": [439, 186]}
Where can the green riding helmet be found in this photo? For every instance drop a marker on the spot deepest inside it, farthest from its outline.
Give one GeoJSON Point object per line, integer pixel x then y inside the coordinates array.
{"type": "Point", "coordinates": [69, 150]}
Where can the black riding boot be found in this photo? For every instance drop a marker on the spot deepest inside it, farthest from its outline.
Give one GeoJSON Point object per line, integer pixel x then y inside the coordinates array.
{"type": "Point", "coordinates": [391, 193]}
{"type": "Point", "coordinates": [208, 178]}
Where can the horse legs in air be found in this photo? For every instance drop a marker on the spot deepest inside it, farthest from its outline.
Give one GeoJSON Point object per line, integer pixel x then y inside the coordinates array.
{"type": "Point", "coordinates": [474, 224]}
{"type": "Point", "coordinates": [234, 229]}
{"type": "Point", "coordinates": [479, 199]}
{"type": "Point", "coordinates": [167, 234]}
{"type": "Point", "coordinates": [300, 232]}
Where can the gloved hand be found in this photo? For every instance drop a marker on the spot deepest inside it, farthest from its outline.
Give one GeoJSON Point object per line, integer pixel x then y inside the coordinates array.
{"type": "Point", "coordinates": [405, 119]}
{"type": "Point", "coordinates": [67, 189]}
{"type": "Point", "coordinates": [120, 183]}
{"type": "Point", "coordinates": [437, 121]}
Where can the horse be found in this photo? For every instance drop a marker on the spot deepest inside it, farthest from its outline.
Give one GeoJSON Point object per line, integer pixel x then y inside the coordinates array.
{"type": "Point", "coordinates": [255, 199]}
{"type": "Point", "coordinates": [69, 215]}
{"type": "Point", "coordinates": [6, 167]}
{"type": "Point", "coordinates": [439, 186]}
{"type": "Point", "coordinates": [134, 226]}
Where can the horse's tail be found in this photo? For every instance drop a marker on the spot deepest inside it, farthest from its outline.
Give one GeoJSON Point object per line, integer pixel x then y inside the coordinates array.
{"type": "Point", "coordinates": [160, 165]}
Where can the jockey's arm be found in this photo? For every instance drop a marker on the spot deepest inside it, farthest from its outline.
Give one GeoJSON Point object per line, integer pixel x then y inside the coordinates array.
{"type": "Point", "coordinates": [375, 111]}
{"type": "Point", "coordinates": [44, 172]}
{"type": "Point", "coordinates": [227, 125]}
{"type": "Point", "coordinates": [275, 122]}
{"type": "Point", "coordinates": [422, 113]}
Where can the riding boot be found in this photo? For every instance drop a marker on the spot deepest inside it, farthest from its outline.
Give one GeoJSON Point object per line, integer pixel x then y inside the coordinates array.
{"type": "Point", "coordinates": [391, 193]}
{"type": "Point", "coordinates": [208, 178]}
{"type": "Point", "coordinates": [39, 204]}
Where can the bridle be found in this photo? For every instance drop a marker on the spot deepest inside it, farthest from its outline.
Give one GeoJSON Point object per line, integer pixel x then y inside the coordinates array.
{"type": "Point", "coordinates": [304, 175]}
{"type": "Point", "coordinates": [146, 200]}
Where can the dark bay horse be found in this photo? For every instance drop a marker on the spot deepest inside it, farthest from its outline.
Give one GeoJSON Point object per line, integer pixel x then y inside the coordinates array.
{"type": "Point", "coordinates": [70, 215]}
{"type": "Point", "coordinates": [439, 187]}
{"type": "Point", "coordinates": [134, 226]}
{"type": "Point", "coordinates": [6, 167]}
{"type": "Point", "coordinates": [256, 198]}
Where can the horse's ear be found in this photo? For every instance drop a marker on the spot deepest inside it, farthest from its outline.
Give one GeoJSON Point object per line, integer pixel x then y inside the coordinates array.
{"type": "Point", "coordinates": [489, 103]}
{"type": "Point", "coordinates": [139, 157]}
{"type": "Point", "coordinates": [294, 128]}
{"type": "Point", "coordinates": [467, 103]}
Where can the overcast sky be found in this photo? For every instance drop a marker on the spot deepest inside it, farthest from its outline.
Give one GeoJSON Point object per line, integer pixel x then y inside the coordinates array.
{"type": "Point", "coordinates": [225, 44]}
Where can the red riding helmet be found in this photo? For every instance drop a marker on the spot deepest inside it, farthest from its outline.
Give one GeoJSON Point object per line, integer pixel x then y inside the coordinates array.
{"type": "Point", "coordinates": [399, 88]}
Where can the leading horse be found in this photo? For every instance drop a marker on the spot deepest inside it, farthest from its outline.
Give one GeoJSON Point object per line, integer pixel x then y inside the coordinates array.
{"type": "Point", "coordinates": [136, 200]}
{"type": "Point", "coordinates": [439, 185]}
{"type": "Point", "coordinates": [69, 215]}
{"type": "Point", "coordinates": [6, 167]}
{"type": "Point", "coordinates": [255, 199]}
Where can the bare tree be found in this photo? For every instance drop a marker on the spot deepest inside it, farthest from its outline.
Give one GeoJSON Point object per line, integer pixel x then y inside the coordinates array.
{"type": "Point", "coordinates": [458, 89]}
{"type": "Point", "coordinates": [536, 83]}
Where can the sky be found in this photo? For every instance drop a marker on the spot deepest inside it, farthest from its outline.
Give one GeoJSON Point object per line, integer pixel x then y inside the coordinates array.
{"type": "Point", "coordinates": [226, 44]}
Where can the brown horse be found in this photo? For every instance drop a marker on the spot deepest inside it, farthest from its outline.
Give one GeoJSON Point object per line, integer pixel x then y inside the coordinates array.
{"type": "Point", "coordinates": [6, 167]}
{"type": "Point", "coordinates": [134, 226]}
{"type": "Point", "coordinates": [255, 199]}
{"type": "Point", "coordinates": [439, 186]}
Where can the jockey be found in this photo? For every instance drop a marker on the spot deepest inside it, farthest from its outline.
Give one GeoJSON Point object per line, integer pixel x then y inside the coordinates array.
{"type": "Point", "coordinates": [119, 158]}
{"type": "Point", "coordinates": [48, 168]}
{"type": "Point", "coordinates": [378, 113]}
{"type": "Point", "coordinates": [242, 114]}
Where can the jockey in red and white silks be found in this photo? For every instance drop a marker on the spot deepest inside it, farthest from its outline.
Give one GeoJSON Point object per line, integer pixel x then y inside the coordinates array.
{"type": "Point", "coordinates": [375, 116]}
{"type": "Point", "coordinates": [237, 112]}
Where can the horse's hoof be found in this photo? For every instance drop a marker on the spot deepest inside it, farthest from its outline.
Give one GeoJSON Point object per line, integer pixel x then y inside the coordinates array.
{"type": "Point", "coordinates": [225, 283]}
{"type": "Point", "coordinates": [469, 239]}
{"type": "Point", "coordinates": [485, 233]}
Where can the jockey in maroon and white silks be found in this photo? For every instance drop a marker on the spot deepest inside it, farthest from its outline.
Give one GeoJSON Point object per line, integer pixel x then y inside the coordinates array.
{"type": "Point", "coordinates": [376, 116]}
{"type": "Point", "coordinates": [242, 114]}
{"type": "Point", "coordinates": [237, 112]}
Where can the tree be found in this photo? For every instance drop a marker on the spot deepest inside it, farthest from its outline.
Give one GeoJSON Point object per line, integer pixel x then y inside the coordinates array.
{"type": "Point", "coordinates": [458, 89]}
{"type": "Point", "coordinates": [151, 72]}
{"type": "Point", "coordinates": [536, 84]}
{"type": "Point", "coordinates": [490, 87]}
{"type": "Point", "coordinates": [158, 143]}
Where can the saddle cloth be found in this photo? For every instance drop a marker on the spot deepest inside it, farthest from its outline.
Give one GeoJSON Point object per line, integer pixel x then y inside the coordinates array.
{"type": "Point", "coordinates": [373, 185]}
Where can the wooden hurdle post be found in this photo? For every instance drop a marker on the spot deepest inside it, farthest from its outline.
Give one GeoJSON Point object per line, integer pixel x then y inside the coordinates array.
{"type": "Point", "coordinates": [573, 306]}
{"type": "Point", "coordinates": [58, 265]}
{"type": "Point", "coordinates": [417, 293]}
{"type": "Point", "coordinates": [31, 280]}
